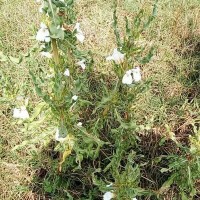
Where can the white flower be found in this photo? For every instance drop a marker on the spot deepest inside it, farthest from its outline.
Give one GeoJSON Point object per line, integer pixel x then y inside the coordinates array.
{"type": "Point", "coordinates": [74, 97]}
{"type": "Point", "coordinates": [38, 1]}
{"type": "Point", "coordinates": [41, 8]}
{"type": "Point", "coordinates": [134, 199]}
{"type": "Point", "coordinates": [127, 78]}
{"type": "Point", "coordinates": [136, 74]}
{"type": "Point", "coordinates": [20, 113]}
{"type": "Point", "coordinates": [66, 73]}
{"type": "Point", "coordinates": [132, 75]}
{"type": "Point", "coordinates": [108, 196]}
{"type": "Point", "coordinates": [58, 138]}
{"type": "Point", "coordinates": [82, 64]}
{"type": "Point", "coordinates": [79, 34]}
{"type": "Point", "coordinates": [43, 34]}
{"type": "Point", "coordinates": [46, 54]}
{"type": "Point", "coordinates": [117, 56]}
{"type": "Point", "coordinates": [80, 124]}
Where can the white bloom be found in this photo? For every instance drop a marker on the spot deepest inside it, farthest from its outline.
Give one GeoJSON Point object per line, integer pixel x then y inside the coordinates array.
{"type": "Point", "coordinates": [80, 124]}
{"type": "Point", "coordinates": [79, 34]}
{"type": "Point", "coordinates": [74, 97]}
{"type": "Point", "coordinates": [108, 196]}
{"type": "Point", "coordinates": [66, 73]}
{"type": "Point", "coordinates": [82, 64]}
{"type": "Point", "coordinates": [136, 74]}
{"type": "Point", "coordinates": [46, 54]}
{"type": "Point", "coordinates": [58, 138]}
{"type": "Point", "coordinates": [20, 113]}
{"type": "Point", "coordinates": [38, 1]}
{"type": "Point", "coordinates": [117, 56]}
{"type": "Point", "coordinates": [134, 199]}
{"type": "Point", "coordinates": [43, 34]}
{"type": "Point", "coordinates": [127, 78]}
{"type": "Point", "coordinates": [41, 8]}
{"type": "Point", "coordinates": [132, 75]}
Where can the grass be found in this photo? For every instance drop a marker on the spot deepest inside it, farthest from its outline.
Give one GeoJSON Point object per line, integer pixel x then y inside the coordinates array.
{"type": "Point", "coordinates": [172, 100]}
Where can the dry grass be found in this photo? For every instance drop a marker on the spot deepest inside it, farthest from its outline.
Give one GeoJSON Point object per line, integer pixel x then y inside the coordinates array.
{"type": "Point", "coordinates": [17, 19]}
{"type": "Point", "coordinates": [174, 33]}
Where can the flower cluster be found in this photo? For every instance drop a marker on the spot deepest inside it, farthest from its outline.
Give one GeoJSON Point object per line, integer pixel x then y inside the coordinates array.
{"type": "Point", "coordinates": [131, 76]}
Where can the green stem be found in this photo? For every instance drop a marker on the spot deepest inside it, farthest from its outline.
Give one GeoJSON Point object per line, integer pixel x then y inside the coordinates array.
{"type": "Point", "coordinates": [55, 51]}
{"type": "Point", "coordinates": [50, 4]}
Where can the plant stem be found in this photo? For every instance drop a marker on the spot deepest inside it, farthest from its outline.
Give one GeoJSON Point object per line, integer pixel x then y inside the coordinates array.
{"type": "Point", "coordinates": [50, 4]}
{"type": "Point", "coordinates": [55, 51]}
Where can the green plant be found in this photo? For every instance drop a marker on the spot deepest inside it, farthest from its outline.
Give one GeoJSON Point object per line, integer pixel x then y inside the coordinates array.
{"type": "Point", "coordinates": [184, 169]}
{"type": "Point", "coordinates": [91, 111]}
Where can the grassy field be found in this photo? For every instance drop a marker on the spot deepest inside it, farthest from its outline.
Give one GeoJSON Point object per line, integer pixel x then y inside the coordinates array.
{"type": "Point", "coordinates": [171, 104]}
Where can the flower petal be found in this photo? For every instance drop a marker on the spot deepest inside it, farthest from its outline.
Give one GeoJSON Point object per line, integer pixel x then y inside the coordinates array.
{"type": "Point", "coordinates": [43, 34]}
{"type": "Point", "coordinates": [21, 113]}
{"type": "Point", "coordinates": [108, 196]}
{"type": "Point", "coordinates": [79, 35]}
{"type": "Point", "coordinates": [58, 138]}
{"type": "Point", "coordinates": [117, 56]}
{"type": "Point", "coordinates": [80, 124]}
{"type": "Point", "coordinates": [127, 79]}
{"type": "Point", "coordinates": [81, 64]}
{"type": "Point", "coordinates": [136, 74]}
{"type": "Point", "coordinates": [75, 98]}
{"type": "Point", "coordinates": [67, 73]}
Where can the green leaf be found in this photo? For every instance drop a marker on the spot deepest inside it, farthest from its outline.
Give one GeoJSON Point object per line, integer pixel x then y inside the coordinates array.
{"type": "Point", "coordinates": [115, 26]}
{"type": "Point", "coordinates": [38, 91]}
{"type": "Point", "coordinates": [15, 60]}
{"type": "Point", "coordinates": [48, 186]}
{"type": "Point", "coordinates": [167, 183]}
{"type": "Point", "coordinates": [162, 141]}
{"type": "Point", "coordinates": [147, 58]}
{"type": "Point", "coordinates": [58, 3]}
{"type": "Point", "coordinates": [155, 8]}
{"type": "Point", "coordinates": [37, 110]}
{"type": "Point", "coordinates": [3, 58]}
{"type": "Point", "coordinates": [70, 2]}
{"type": "Point", "coordinates": [183, 196]}
{"type": "Point", "coordinates": [56, 33]}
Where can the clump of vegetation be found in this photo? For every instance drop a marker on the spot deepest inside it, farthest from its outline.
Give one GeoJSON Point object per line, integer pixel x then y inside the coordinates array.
{"type": "Point", "coordinates": [91, 136]}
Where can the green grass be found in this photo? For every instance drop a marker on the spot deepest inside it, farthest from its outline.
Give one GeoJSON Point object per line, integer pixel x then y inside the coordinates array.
{"type": "Point", "coordinates": [172, 98]}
